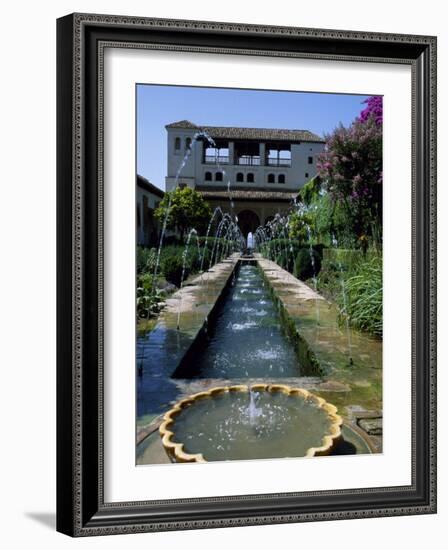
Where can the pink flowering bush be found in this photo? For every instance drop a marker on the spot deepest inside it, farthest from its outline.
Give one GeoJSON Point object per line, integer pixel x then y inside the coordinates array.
{"type": "Point", "coordinates": [351, 169]}
{"type": "Point", "coordinates": [374, 110]}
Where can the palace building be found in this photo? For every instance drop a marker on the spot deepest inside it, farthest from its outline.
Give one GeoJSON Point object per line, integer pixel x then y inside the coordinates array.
{"type": "Point", "coordinates": [148, 198]}
{"type": "Point", "coordinates": [266, 167]}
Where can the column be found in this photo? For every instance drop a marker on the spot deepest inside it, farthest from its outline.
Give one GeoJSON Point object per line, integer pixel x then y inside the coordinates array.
{"type": "Point", "coordinates": [262, 154]}
{"type": "Point", "coordinates": [231, 152]}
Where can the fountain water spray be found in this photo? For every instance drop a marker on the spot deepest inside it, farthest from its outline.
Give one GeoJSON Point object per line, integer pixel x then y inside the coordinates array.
{"type": "Point", "coordinates": [344, 298]}
{"type": "Point", "coordinates": [193, 232]}
{"type": "Point", "coordinates": [216, 211]}
{"type": "Point", "coordinates": [253, 411]}
{"type": "Point", "coordinates": [201, 134]}
{"type": "Point", "coordinates": [313, 264]}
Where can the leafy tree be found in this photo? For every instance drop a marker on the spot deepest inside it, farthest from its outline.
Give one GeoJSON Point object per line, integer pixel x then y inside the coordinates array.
{"type": "Point", "coordinates": [186, 209]}
{"type": "Point", "coordinates": [310, 191]}
{"type": "Point", "coordinates": [331, 219]}
{"type": "Point", "coordinates": [301, 226]}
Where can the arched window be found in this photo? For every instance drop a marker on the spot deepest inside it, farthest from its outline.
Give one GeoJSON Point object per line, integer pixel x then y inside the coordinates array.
{"type": "Point", "coordinates": [250, 178]}
{"type": "Point", "coordinates": [240, 176]}
{"type": "Point", "coordinates": [281, 178]}
{"type": "Point", "coordinates": [218, 176]}
{"type": "Point", "coordinates": [187, 144]}
{"type": "Point", "coordinates": [271, 178]}
{"type": "Point", "coordinates": [177, 144]}
{"type": "Point", "coordinates": [208, 176]}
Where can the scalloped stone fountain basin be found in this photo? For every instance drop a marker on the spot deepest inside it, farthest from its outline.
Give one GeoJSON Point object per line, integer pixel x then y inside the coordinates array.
{"type": "Point", "coordinates": [238, 423]}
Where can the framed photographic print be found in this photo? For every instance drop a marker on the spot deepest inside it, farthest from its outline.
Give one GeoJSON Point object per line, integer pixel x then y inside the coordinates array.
{"type": "Point", "coordinates": [246, 274]}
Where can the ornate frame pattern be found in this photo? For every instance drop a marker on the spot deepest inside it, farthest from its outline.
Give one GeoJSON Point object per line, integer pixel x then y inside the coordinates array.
{"type": "Point", "coordinates": [81, 510]}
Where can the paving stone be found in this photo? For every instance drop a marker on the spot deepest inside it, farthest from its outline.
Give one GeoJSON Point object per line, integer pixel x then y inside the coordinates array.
{"type": "Point", "coordinates": [373, 426]}
{"type": "Point", "coordinates": [333, 385]}
{"type": "Point", "coordinates": [362, 383]}
{"type": "Point", "coordinates": [354, 409]}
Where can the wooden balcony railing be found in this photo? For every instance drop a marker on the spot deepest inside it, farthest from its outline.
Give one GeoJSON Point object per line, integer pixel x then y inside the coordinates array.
{"type": "Point", "coordinates": [248, 161]}
{"type": "Point", "coordinates": [278, 162]}
{"type": "Point", "coordinates": [216, 159]}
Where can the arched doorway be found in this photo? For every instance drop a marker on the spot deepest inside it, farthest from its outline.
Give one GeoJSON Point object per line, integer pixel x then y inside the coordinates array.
{"type": "Point", "coordinates": [248, 221]}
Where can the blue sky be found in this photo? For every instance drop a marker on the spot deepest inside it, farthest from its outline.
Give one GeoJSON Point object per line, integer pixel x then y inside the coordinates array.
{"type": "Point", "coordinates": [161, 105]}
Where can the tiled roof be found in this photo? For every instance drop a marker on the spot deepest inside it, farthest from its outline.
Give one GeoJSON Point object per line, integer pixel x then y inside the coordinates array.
{"type": "Point", "coordinates": [182, 124]}
{"type": "Point", "coordinates": [146, 184]}
{"type": "Point", "coordinates": [249, 194]}
{"type": "Point", "coordinates": [262, 134]}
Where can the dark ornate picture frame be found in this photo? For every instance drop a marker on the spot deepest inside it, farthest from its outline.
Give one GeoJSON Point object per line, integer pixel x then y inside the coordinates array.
{"type": "Point", "coordinates": [81, 40]}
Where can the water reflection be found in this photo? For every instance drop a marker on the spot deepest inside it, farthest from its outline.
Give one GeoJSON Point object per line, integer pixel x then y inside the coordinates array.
{"type": "Point", "coordinates": [246, 339]}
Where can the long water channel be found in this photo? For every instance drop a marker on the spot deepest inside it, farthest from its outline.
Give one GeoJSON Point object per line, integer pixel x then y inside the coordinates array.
{"type": "Point", "coordinates": [246, 338]}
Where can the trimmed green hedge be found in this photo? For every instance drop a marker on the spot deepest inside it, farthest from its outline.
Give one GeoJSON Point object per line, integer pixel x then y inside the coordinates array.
{"type": "Point", "coordinates": [285, 253]}
{"type": "Point", "coordinates": [347, 258]}
{"type": "Point", "coordinates": [304, 268]}
{"type": "Point", "coordinates": [172, 258]}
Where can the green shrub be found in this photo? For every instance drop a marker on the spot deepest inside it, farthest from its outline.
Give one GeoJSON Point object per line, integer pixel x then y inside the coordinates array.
{"type": "Point", "coordinates": [364, 293]}
{"type": "Point", "coordinates": [285, 251]}
{"type": "Point", "coordinates": [146, 259]}
{"type": "Point", "coordinates": [319, 248]}
{"type": "Point", "coordinates": [332, 219]}
{"type": "Point", "coordinates": [329, 281]}
{"type": "Point", "coordinates": [148, 298]}
{"type": "Point", "coordinates": [171, 250]}
{"type": "Point", "coordinates": [310, 191]}
{"type": "Point", "coordinates": [194, 259]}
{"type": "Point", "coordinates": [206, 254]}
{"type": "Point", "coordinates": [171, 240]}
{"type": "Point", "coordinates": [348, 259]}
{"type": "Point", "coordinates": [281, 248]}
{"type": "Point", "coordinates": [217, 247]}
{"type": "Point", "coordinates": [211, 240]}
{"type": "Point", "coordinates": [172, 267]}
{"type": "Point", "coordinates": [286, 259]}
{"type": "Point", "coordinates": [304, 268]}
{"type": "Point", "coordinates": [172, 258]}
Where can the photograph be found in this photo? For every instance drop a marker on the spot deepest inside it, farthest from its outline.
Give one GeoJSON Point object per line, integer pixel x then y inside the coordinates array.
{"type": "Point", "coordinates": [259, 274]}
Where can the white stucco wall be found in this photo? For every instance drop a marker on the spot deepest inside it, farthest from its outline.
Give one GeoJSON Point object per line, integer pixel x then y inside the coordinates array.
{"type": "Point", "coordinates": [193, 172]}
{"type": "Point", "coordinates": [143, 232]}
